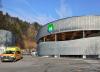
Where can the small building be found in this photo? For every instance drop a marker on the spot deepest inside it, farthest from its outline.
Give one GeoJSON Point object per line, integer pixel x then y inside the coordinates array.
{"type": "Point", "coordinates": [6, 39]}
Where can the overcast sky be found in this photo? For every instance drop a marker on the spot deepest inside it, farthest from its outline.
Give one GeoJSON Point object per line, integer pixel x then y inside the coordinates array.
{"type": "Point", "coordinates": [44, 11]}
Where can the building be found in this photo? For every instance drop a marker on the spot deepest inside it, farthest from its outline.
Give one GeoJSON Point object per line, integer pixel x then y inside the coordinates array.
{"type": "Point", "coordinates": [6, 39]}
{"type": "Point", "coordinates": [74, 36]}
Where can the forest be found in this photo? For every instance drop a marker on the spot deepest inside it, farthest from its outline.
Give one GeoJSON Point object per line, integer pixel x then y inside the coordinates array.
{"type": "Point", "coordinates": [24, 31]}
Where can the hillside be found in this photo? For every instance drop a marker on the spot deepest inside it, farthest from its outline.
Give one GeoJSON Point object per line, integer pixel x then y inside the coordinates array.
{"type": "Point", "coordinates": [25, 32]}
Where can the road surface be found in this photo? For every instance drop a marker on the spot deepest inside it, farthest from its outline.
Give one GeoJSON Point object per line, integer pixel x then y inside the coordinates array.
{"type": "Point", "coordinates": [41, 64]}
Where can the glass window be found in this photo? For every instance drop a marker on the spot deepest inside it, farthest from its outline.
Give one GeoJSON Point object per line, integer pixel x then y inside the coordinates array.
{"type": "Point", "coordinates": [9, 52]}
{"type": "Point", "coordinates": [18, 52]}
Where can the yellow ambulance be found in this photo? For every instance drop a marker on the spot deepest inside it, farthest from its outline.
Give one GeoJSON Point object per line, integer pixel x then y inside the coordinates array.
{"type": "Point", "coordinates": [11, 54]}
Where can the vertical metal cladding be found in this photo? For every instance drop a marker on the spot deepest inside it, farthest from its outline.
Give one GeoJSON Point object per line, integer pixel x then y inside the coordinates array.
{"type": "Point", "coordinates": [82, 46]}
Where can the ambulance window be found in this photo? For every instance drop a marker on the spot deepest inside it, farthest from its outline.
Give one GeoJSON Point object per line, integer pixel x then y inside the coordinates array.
{"type": "Point", "coordinates": [18, 52]}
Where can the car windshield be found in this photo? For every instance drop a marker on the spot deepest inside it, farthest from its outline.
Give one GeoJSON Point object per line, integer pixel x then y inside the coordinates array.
{"type": "Point", "coordinates": [9, 52]}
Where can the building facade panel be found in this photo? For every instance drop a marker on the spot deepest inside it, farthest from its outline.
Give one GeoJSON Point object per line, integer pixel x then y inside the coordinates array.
{"type": "Point", "coordinates": [72, 24]}
{"type": "Point", "coordinates": [86, 46]}
{"type": "Point", "coordinates": [71, 36]}
{"type": "Point", "coordinates": [5, 37]}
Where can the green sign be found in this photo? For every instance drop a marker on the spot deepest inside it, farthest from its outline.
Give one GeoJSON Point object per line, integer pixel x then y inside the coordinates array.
{"type": "Point", "coordinates": [50, 27]}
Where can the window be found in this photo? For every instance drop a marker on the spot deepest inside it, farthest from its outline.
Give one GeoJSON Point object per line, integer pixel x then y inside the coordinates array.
{"type": "Point", "coordinates": [50, 37]}
{"type": "Point", "coordinates": [18, 52]}
{"type": "Point", "coordinates": [9, 52]}
{"type": "Point", "coordinates": [64, 36]}
{"type": "Point", "coordinates": [92, 33]}
{"type": "Point", "coordinates": [41, 39]}
{"type": "Point", "coordinates": [69, 35]}
{"type": "Point", "coordinates": [77, 35]}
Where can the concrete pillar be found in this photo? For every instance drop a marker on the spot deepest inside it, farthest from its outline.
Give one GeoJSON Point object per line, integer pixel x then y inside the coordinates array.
{"type": "Point", "coordinates": [83, 34]}
{"type": "Point", "coordinates": [44, 39]}
{"type": "Point", "coordinates": [55, 37]}
{"type": "Point", "coordinates": [55, 46]}
{"type": "Point", "coordinates": [84, 56]}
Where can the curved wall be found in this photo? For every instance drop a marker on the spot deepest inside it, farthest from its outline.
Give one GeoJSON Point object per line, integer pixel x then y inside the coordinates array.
{"type": "Point", "coordinates": [85, 46]}
{"type": "Point", "coordinates": [72, 24]}
{"type": "Point", "coordinates": [82, 46]}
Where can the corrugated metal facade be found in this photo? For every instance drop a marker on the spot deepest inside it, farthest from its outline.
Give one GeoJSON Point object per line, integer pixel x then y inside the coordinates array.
{"type": "Point", "coordinates": [83, 46]}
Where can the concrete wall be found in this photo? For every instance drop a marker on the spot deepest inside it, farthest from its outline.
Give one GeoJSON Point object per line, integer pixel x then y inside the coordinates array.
{"type": "Point", "coordinates": [5, 37]}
